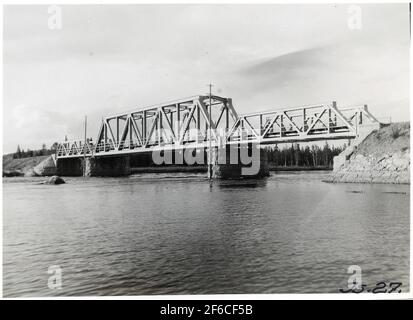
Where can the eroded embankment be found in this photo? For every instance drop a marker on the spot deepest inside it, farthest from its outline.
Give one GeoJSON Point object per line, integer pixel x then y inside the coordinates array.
{"type": "Point", "coordinates": [33, 166]}
{"type": "Point", "coordinates": [382, 157]}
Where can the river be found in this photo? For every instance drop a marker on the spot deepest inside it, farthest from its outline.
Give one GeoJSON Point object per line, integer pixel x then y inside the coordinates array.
{"type": "Point", "coordinates": [181, 234]}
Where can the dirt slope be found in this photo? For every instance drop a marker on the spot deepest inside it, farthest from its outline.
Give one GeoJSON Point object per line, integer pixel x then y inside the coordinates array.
{"type": "Point", "coordinates": [383, 157]}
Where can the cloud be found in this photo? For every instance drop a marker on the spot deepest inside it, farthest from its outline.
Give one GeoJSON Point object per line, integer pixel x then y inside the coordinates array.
{"type": "Point", "coordinates": [36, 125]}
{"type": "Point", "coordinates": [352, 72]}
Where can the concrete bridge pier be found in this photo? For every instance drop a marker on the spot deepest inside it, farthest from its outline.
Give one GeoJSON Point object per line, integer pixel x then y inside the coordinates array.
{"type": "Point", "coordinates": [69, 167]}
{"type": "Point", "coordinates": [113, 166]}
{"type": "Point", "coordinates": [236, 162]}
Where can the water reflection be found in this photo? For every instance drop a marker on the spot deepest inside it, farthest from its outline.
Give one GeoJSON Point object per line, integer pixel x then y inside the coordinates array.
{"type": "Point", "coordinates": [234, 184]}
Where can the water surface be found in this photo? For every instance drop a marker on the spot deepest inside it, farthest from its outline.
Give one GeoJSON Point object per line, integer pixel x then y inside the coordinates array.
{"type": "Point", "coordinates": [181, 234]}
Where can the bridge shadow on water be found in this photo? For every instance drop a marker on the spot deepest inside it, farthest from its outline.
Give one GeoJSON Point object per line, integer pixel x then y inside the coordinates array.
{"type": "Point", "coordinates": [241, 183]}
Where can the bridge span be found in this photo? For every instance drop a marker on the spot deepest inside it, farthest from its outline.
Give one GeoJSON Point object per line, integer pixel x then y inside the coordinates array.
{"type": "Point", "coordinates": [185, 123]}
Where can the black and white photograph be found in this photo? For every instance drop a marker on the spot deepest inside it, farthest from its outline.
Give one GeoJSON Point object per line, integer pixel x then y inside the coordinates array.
{"type": "Point", "coordinates": [206, 150]}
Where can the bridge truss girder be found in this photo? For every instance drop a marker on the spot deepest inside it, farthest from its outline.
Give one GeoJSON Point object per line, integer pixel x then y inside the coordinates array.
{"type": "Point", "coordinates": [175, 124]}
{"type": "Point", "coordinates": [185, 124]}
{"type": "Point", "coordinates": [308, 123]}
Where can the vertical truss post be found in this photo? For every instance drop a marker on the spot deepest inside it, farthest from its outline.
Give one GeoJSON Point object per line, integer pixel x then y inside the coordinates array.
{"type": "Point", "coordinates": [198, 123]}
{"type": "Point", "coordinates": [226, 117]}
{"type": "Point", "coordinates": [130, 132]}
{"type": "Point", "coordinates": [177, 124]}
{"type": "Point", "coordinates": [281, 125]}
{"type": "Point", "coordinates": [159, 127]}
{"type": "Point", "coordinates": [144, 127]}
{"type": "Point", "coordinates": [117, 132]}
{"type": "Point", "coordinates": [329, 120]}
{"type": "Point", "coordinates": [171, 118]}
{"type": "Point", "coordinates": [304, 120]}
{"type": "Point", "coordinates": [209, 134]}
{"type": "Point", "coordinates": [105, 135]}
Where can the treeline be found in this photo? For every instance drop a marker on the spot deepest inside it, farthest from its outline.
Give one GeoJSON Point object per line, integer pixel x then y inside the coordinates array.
{"type": "Point", "coordinates": [44, 151]}
{"type": "Point", "coordinates": [296, 156]}
{"type": "Point", "coordinates": [292, 156]}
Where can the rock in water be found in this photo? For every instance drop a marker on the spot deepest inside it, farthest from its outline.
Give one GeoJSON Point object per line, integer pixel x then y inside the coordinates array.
{"type": "Point", "coordinates": [55, 180]}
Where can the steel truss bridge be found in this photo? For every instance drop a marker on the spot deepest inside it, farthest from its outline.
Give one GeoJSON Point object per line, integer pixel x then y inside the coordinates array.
{"type": "Point", "coordinates": [186, 123]}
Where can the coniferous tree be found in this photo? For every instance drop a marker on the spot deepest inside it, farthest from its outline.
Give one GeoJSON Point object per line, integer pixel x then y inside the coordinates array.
{"type": "Point", "coordinates": [294, 155]}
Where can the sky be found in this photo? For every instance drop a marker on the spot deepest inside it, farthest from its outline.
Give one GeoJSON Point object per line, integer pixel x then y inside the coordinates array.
{"type": "Point", "coordinates": [107, 59]}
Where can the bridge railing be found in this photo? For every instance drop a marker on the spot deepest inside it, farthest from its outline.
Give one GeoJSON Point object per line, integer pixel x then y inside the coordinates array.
{"type": "Point", "coordinates": [74, 148]}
